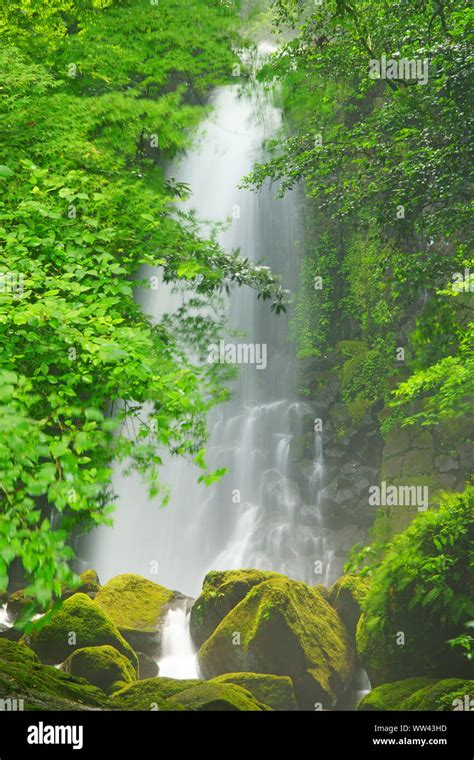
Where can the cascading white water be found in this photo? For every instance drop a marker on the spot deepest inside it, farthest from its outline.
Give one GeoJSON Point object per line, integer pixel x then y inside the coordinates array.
{"type": "Point", "coordinates": [252, 517]}
{"type": "Point", "coordinates": [4, 617]}
{"type": "Point", "coordinates": [178, 657]}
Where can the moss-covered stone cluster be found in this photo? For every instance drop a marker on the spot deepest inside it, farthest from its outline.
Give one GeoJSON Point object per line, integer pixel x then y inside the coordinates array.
{"type": "Point", "coordinates": [284, 628]}
{"type": "Point", "coordinates": [271, 644]}
{"type": "Point", "coordinates": [293, 649]}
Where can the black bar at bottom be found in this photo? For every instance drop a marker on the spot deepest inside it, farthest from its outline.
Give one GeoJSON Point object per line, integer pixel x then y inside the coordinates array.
{"type": "Point", "coordinates": [119, 734]}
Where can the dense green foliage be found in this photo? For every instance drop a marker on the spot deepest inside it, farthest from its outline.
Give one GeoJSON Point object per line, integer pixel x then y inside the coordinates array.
{"type": "Point", "coordinates": [96, 96]}
{"type": "Point", "coordinates": [422, 588]}
{"type": "Point", "coordinates": [386, 168]}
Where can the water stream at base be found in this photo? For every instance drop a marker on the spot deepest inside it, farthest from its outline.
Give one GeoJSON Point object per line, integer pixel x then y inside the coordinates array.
{"type": "Point", "coordinates": [178, 656]}
{"type": "Point", "coordinates": [253, 517]}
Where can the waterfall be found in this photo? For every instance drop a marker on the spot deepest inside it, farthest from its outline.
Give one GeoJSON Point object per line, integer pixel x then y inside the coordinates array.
{"type": "Point", "coordinates": [264, 513]}
{"type": "Point", "coordinates": [4, 620]}
{"type": "Point", "coordinates": [178, 657]}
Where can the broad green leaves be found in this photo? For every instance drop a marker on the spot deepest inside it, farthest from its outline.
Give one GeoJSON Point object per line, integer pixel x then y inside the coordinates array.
{"type": "Point", "coordinates": [96, 96]}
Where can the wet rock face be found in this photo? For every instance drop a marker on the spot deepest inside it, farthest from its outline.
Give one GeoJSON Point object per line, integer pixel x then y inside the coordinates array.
{"type": "Point", "coordinates": [284, 628]}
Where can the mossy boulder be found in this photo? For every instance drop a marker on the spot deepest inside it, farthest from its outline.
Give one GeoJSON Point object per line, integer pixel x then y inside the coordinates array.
{"type": "Point", "coordinates": [346, 595]}
{"type": "Point", "coordinates": [11, 651]}
{"type": "Point", "coordinates": [102, 666]}
{"type": "Point", "coordinates": [221, 592]}
{"type": "Point", "coordinates": [138, 607]}
{"type": "Point", "coordinates": [78, 623]}
{"type": "Point", "coordinates": [275, 691]}
{"type": "Point", "coordinates": [3, 598]}
{"type": "Point", "coordinates": [414, 694]}
{"type": "Point", "coordinates": [449, 694]}
{"type": "Point", "coordinates": [214, 697]}
{"type": "Point", "coordinates": [191, 695]}
{"type": "Point", "coordinates": [144, 695]}
{"type": "Point", "coordinates": [89, 584]}
{"type": "Point", "coordinates": [284, 628]}
{"type": "Point", "coordinates": [147, 666]}
{"type": "Point", "coordinates": [42, 687]}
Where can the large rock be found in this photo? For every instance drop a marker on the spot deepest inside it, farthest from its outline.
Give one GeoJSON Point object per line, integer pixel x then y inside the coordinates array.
{"type": "Point", "coordinates": [192, 695]}
{"type": "Point", "coordinates": [424, 694]}
{"type": "Point", "coordinates": [275, 691]}
{"type": "Point", "coordinates": [284, 628]}
{"type": "Point", "coordinates": [42, 687]}
{"type": "Point", "coordinates": [221, 592]}
{"type": "Point", "coordinates": [11, 651]}
{"type": "Point", "coordinates": [150, 693]}
{"type": "Point", "coordinates": [78, 623]}
{"type": "Point", "coordinates": [138, 607]}
{"type": "Point", "coordinates": [102, 666]}
{"type": "Point", "coordinates": [213, 697]}
{"type": "Point", "coordinates": [346, 595]}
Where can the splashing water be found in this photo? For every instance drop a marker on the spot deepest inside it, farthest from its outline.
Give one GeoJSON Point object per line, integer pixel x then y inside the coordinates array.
{"type": "Point", "coordinates": [178, 658]}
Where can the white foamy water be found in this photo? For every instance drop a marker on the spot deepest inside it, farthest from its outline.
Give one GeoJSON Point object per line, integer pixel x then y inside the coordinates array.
{"type": "Point", "coordinates": [178, 658]}
{"type": "Point", "coordinates": [4, 617]}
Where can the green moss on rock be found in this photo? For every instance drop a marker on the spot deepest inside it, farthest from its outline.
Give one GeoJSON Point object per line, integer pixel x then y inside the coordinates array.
{"type": "Point", "coordinates": [137, 606]}
{"type": "Point", "coordinates": [275, 691]}
{"type": "Point", "coordinates": [221, 592]}
{"type": "Point", "coordinates": [284, 628]}
{"type": "Point", "coordinates": [449, 694]}
{"type": "Point", "coordinates": [42, 687]}
{"type": "Point", "coordinates": [78, 623]}
{"type": "Point", "coordinates": [143, 695]}
{"type": "Point", "coordinates": [102, 666]}
{"type": "Point", "coordinates": [214, 697]}
{"type": "Point", "coordinates": [413, 694]}
{"type": "Point", "coordinates": [346, 595]}
{"type": "Point", "coordinates": [11, 651]}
